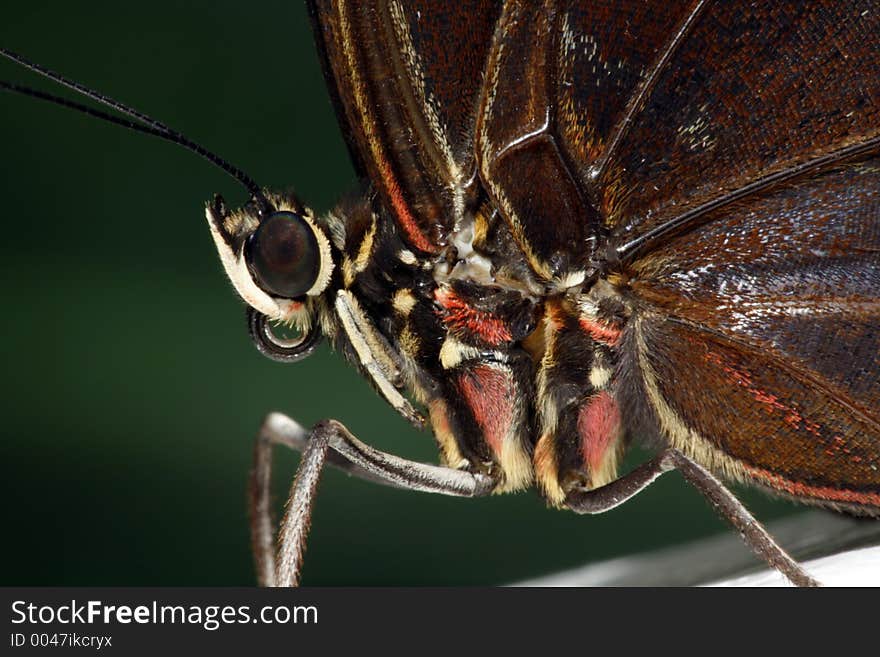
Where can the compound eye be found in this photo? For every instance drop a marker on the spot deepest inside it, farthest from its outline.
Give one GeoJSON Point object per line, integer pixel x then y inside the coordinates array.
{"type": "Point", "coordinates": [283, 255]}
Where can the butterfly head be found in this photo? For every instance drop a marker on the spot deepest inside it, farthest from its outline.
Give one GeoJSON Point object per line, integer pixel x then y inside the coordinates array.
{"type": "Point", "coordinates": [277, 254]}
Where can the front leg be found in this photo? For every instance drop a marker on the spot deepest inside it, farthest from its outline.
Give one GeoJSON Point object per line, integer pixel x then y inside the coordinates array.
{"type": "Point", "coordinates": [329, 441]}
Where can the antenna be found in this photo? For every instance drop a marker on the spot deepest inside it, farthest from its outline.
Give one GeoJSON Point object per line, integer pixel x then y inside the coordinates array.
{"type": "Point", "coordinates": [138, 122]}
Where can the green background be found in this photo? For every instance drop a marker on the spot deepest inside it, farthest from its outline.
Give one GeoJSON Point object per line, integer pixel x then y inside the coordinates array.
{"type": "Point", "coordinates": [131, 392]}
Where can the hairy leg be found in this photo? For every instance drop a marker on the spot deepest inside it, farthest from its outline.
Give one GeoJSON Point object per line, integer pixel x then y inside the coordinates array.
{"type": "Point", "coordinates": [330, 442]}
{"type": "Point", "coordinates": [722, 500]}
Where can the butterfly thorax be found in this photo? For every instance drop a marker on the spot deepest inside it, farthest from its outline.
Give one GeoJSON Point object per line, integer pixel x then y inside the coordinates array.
{"type": "Point", "coordinates": [517, 380]}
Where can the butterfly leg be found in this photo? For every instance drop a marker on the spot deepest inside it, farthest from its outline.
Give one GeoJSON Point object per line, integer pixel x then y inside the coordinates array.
{"type": "Point", "coordinates": [295, 526]}
{"type": "Point", "coordinates": [729, 507]}
{"type": "Point", "coordinates": [329, 441]}
{"type": "Point", "coordinates": [722, 500]}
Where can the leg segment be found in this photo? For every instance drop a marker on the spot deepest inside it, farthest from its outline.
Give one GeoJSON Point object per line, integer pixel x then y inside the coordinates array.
{"type": "Point", "coordinates": [722, 500]}
{"type": "Point", "coordinates": [329, 441]}
{"type": "Point", "coordinates": [620, 490]}
{"type": "Point", "coordinates": [731, 509]}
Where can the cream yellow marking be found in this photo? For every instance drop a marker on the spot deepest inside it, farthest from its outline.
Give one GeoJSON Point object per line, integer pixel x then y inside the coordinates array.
{"type": "Point", "coordinates": [240, 223]}
{"type": "Point", "coordinates": [429, 104]}
{"type": "Point", "coordinates": [453, 353]}
{"type": "Point", "coordinates": [481, 225]}
{"type": "Point", "coordinates": [409, 342]}
{"type": "Point", "coordinates": [547, 406]}
{"type": "Point", "coordinates": [410, 345]}
{"type": "Point", "coordinates": [325, 268]}
{"type": "Point", "coordinates": [365, 250]}
{"type": "Point", "coordinates": [407, 257]}
{"type": "Point", "coordinates": [546, 471]}
{"type": "Point", "coordinates": [403, 301]}
{"type": "Point", "coordinates": [572, 279]}
{"type": "Point", "coordinates": [275, 308]}
{"type": "Point", "coordinates": [600, 376]}
{"type": "Point", "coordinates": [360, 101]}
{"type": "Point", "coordinates": [515, 460]}
{"type": "Point", "coordinates": [607, 471]}
{"type": "Point", "coordinates": [348, 273]}
{"type": "Point", "coordinates": [450, 454]}
{"type": "Point", "coordinates": [351, 268]}
{"type": "Point", "coordinates": [372, 353]}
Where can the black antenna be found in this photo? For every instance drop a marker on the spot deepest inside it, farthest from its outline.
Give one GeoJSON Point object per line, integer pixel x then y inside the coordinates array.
{"type": "Point", "coordinates": [142, 122]}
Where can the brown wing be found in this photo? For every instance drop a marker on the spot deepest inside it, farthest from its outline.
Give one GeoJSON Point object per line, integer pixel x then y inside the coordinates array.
{"type": "Point", "coordinates": [558, 85]}
{"type": "Point", "coordinates": [753, 89]}
{"type": "Point", "coordinates": [406, 77]}
{"type": "Point", "coordinates": [758, 338]}
{"type": "Point", "coordinates": [617, 118]}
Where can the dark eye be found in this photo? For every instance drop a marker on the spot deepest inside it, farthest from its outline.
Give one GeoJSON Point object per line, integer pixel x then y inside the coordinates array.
{"type": "Point", "coordinates": [283, 255]}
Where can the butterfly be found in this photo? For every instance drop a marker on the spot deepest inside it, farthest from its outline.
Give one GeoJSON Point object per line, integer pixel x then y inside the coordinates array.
{"type": "Point", "coordinates": [550, 271]}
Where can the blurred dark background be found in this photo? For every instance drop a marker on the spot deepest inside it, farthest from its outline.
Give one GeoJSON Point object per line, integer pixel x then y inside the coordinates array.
{"type": "Point", "coordinates": [131, 392]}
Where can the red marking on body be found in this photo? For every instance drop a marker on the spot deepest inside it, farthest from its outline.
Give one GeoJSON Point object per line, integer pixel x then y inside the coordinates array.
{"type": "Point", "coordinates": [490, 394]}
{"type": "Point", "coordinates": [459, 316]}
{"type": "Point", "coordinates": [769, 401]}
{"type": "Point", "coordinates": [601, 331]}
{"type": "Point", "coordinates": [293, 307]}
{"type": "Point", "coordinates": [598, 426]}
{"type": "Point", "coordinates": [819, 492]}
{"type": "Point", "coordinates": [407, 221]}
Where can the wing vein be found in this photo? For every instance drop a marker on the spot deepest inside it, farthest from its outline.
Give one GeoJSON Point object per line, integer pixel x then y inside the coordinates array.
{"type": "Point", "coordinates": [637, 101]}
{"type": "Point", "coordinates": [638, 246]}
